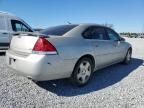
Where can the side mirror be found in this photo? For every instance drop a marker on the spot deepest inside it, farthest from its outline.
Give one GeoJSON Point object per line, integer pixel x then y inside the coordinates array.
{"type": "Point", "coordinates": [122, 39]}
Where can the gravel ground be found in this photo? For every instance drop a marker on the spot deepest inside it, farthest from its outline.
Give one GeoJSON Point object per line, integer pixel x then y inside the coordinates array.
{"type": "Point", "coordinates": [118, 86]}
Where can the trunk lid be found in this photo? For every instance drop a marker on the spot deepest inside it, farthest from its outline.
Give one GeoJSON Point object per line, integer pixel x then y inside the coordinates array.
{"type": "Point", "coordinates": [23, 43]}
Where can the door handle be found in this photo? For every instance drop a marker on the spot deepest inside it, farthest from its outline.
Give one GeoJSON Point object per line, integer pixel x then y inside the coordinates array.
{"type": "Point", "coordinates": [4, 33]}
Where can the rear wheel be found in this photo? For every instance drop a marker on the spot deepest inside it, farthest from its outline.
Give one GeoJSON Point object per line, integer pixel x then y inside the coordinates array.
{"type": "Point", "coordinates": [82, 72]}
{"type": "Point", "coordinates": [128, 57]}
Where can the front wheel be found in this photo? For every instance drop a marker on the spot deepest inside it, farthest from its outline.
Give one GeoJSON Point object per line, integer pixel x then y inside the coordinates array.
{"type": "Point", "coordinates": [82, 72]}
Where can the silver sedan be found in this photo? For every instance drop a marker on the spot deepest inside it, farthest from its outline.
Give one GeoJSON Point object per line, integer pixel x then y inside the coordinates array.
{"type": "Point", "coordinates": [67, 51]}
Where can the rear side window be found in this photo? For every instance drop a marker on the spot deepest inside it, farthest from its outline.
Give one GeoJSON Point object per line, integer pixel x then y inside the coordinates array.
{"type": "Point", "coordinates": [95, 33]}
{"type": "Point", "coordinates": [58, 30]}
{"type": "Point", "coordinates": [18, 26]}
{"type": "Point", "coordinates": [3, 25]}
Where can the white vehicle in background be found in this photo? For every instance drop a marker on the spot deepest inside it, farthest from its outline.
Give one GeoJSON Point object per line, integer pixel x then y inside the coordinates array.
{"type": "Point", "coordinates": [141, 36]}
{"type": "Point", "coordinates": [10, 24]}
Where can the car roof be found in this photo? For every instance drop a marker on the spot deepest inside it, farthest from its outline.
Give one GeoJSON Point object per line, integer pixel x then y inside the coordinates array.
{"type": "Point", "coordinates": [86, 25]}
{"type": "Point", "coordinates": [7, 13]}
{"type": "Point", "coordinates": [92, 24]}
{"type": "Point", "coordinates": [10, 15]}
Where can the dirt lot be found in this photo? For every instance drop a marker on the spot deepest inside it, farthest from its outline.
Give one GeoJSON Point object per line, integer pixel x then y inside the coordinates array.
{"type": "Point", "coordinates": [118, 86]}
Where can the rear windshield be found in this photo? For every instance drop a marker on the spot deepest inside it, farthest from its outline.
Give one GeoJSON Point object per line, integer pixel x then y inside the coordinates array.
{"type": "Point", "coordinates": [58, 30]}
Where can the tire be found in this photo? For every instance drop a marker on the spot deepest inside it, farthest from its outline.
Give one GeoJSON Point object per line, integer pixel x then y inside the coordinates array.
{"type": "Point", "coordinates": [128, 57]}
{"type": "Point", "coordinates": [82, 72]}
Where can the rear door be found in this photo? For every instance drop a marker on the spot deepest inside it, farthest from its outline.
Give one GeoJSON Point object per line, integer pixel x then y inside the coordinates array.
{"type": "Point", "coordinates": [4, 32]}
{"type": "Point", "coordinates": [102, 47]}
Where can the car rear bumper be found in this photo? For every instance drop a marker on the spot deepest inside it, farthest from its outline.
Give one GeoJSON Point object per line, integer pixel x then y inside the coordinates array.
{"type": "Point", "coordinates": [40, 67]}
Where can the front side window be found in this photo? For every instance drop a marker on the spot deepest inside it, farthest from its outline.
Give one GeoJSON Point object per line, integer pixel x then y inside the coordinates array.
{"type": "Point", "coordinates": [112, 35]}
{"type": "Point", "coordinates": [18, 26]}
{"type": "Point", "coordinates": [95, 33]}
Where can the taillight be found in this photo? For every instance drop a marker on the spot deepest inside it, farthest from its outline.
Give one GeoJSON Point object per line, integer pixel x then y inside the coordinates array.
{"type": "Point", "coordinates": [44, 46]}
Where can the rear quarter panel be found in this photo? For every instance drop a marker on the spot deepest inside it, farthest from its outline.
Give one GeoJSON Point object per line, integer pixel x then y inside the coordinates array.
{"type": "Point", "coordinates": [72, 47]}
{"type": "Point", "coordinates": [70, 50]}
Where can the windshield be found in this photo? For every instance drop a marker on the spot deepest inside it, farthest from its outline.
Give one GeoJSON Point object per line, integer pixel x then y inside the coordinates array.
{"type": "Point", "coordinates": [58, 30]}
